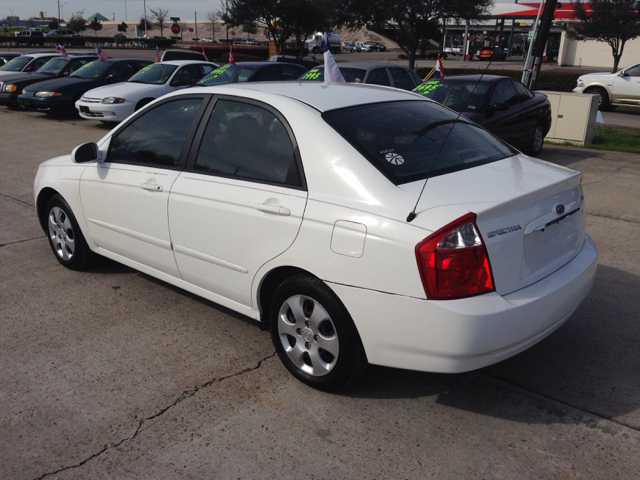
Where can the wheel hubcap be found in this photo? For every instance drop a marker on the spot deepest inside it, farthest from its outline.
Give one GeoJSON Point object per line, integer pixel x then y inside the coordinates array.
{"type": "Point", "coordinates": [537, 139]}
{"type": "Point", "coordinates": [61, 233]}
{"type": "Point", "coordinates": [308, 335]}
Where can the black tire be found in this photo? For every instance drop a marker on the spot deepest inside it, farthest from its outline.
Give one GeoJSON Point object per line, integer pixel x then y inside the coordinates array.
{"type": "Point", "coordinates": [535, 146]}
{"type": "Point", "coordinates": [315, 50]}
{"type": "Point", "coordinates": [603, 98]}
{"type": "Point", "coordinates": [143, 102]}
{"type": "Point", "coordinates": [307, 320]}
{"type": "Point", "coordinates": [65, 238]}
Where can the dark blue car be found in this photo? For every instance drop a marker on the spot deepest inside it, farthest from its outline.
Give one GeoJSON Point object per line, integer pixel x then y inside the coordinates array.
{"type": "Point", "coordinates": [57, 67]}
{"type": "Point", "coordinates": [60, 95]}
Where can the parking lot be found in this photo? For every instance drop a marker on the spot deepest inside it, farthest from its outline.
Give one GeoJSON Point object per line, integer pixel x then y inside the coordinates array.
{"type": "Point", "coordinates": [111, 373]}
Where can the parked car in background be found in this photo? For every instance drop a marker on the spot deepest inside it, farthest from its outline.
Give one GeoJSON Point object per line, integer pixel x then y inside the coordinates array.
{"type": "Point", "coordinates": [304, 206]}
{"type": "Point", "coordinates": [241, 72]}
{"type": "Point", "coordinates": [362, 47]}
{"type": "Point", "coordinates": [500, 104]}
{"type": "Point", "coordinates": [313, 43]}
{"type": "Point", "coordinates": [60, 95]}
{"type": "Point", "coordinates": [375, 46]}
{"type": "Point", "coordinates": [182, 54]}
{"type": "Point", "coordinates": [26, 63]}
{"type": "Point", "coordinates": [306, 62]}
{"type": "Point", "coordinates": [350, 47]}
{"type": "Point", "coordinates": [613, 89]}
{"type": "Point", "coordinates": [114, 103]}
{"type": "Point", "coordinates": [61, 33]}
{"type": "Point", "coordinates": [120, 36]}
{"type": "Point", "coordinates": [492, 53]}
{"type": "Point", "coordinates": [6, 57]}
{"type": "Point", "coordinates": [453, 49]}
{"type": "Point", "coordinates": [30, 33]}
{"type": "Point", "coordinates": [58, 67]}
{"type": "Point", "coordinates": [208, 40]}
{"type": "Point", "coordinates": [376, 73]}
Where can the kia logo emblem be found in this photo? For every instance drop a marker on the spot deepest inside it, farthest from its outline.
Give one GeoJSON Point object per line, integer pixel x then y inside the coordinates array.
{"type": "Point", "coordinates": [560, 209]}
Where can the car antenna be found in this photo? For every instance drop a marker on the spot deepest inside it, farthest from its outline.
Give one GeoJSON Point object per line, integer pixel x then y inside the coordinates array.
{"type": "Point", "coordinates": [412, 214]}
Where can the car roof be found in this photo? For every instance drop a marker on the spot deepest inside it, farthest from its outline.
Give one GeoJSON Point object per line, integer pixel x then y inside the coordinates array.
{"type": "Point", "coordinates": [368, 65]}
{"type": "Point", "coordinates": [474, 78]}
{"type": "Point", "coordinates": [315, 94]}
{"type": "Point", "coordinates": [179, 63]}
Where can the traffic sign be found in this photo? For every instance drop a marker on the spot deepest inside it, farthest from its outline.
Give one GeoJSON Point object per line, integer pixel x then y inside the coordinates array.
{"type": "Point", "coordinates": [175, 29]}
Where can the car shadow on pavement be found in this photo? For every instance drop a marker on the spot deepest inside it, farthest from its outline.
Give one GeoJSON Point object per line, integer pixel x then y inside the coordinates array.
{"type": "Point", "coordinates": [591, 363]}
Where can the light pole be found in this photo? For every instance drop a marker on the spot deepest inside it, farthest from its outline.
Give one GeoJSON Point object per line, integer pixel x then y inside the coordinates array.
{"type": "Point", "coordinates": [145, 17]}
{"type": "Point", "coordinates": [62, 11]}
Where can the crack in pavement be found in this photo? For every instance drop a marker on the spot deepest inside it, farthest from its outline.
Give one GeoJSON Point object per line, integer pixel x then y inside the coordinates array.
{"type": "Point", "coordinates": [185, 395]}
{"type": "Point", "coordinates": [609, 217]}
{"type": "Point", "coordinates": [561, 402]}
{"type": "Point", "coordinates": [20, 202]}
{"type": "Point", "coordinates": [609, 174]}
{"type": "Point", "coordinates": [23, 240]}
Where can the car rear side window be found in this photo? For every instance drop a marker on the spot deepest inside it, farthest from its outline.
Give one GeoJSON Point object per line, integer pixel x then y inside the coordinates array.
{"type": "Point", "coordinates": [379, 76]}
{"type": "Point", "coordinates": [413, 140]}
{"type": "Point", "coordinates": [523, 92]}
{"type": "Point", "coordinates": [504, 92]}
{"type": "Point", "coordinates": [157, 137]}
{"type": "Point", "coordinates": [246, 141]}
{"type": "Point", "coordinates": [400, 79]}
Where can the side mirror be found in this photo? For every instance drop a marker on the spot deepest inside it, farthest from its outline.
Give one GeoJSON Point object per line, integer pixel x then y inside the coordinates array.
{"type": "Point", "coordinates": [87, 152]}
{"type": "Point", "coordinates": [499, 107]}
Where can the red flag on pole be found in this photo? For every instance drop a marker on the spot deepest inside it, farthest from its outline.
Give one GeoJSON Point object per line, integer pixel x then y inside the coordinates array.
{"type": "Point", "coordinates": [231, 59]}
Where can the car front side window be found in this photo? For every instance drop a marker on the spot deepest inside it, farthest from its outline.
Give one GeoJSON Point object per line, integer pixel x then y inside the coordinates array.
{"type": "Point", "coordinates": [158, 136]}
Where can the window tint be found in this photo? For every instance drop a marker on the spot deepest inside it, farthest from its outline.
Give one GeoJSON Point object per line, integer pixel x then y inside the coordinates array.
{"type": "Point", "coordinates": [463, 96]}
{"type": "Point", "coordinates": [504, 92]}
{"type": "Point", "coordinates": [248, 142]}
{"type": "Point", "coordinates": [37, 63]}
{"type": "Point", "coordinates": [289, 72]}
{"type": "Point", "coordinates": [122, 71]}
{"type": "Point", "coordinates": [379, 77]}
{"type": "Point", "coordinates": [400, 80]}
{"type": "Point", "coordinates": [156, 73]}
{"type": "Point", "coordinates": [523, 92]}
{"type": "Point", "coordinates": [413, 140]}
{"type": "Point", "coordinates": [157, 137]}
{"type": "Point", "coordinates": [268, 74]}
{"type": "Point", "coordinates": [17, 64]}
{"type": "Point", "coordinates": [633, 71]}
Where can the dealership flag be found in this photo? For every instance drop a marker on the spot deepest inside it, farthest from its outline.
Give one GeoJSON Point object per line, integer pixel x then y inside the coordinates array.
{"type": "Point", "coordinates": [62, 50]}
{"type": "Point", "coordinates": [439, 68]}
{"type": "Point", "coordinates": [331, 70]}
{"type": "Point", "coordinates": [101, 55]}
{"type": "Point", "coordinates": [232, 61]}
{"type": "Point", "coordinates": [157, 55]}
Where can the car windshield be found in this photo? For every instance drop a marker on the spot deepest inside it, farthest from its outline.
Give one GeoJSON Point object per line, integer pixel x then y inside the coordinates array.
{"type": "Point", "coordinates": [53, 66]}
{"type": "Point", "coordinates": [156, 74]}
{"type": "Point", "coordinates": [459, 95]}
{"type": "Point", "coordinates": [94, 69]}
{"type": "Point", "coordinates": [17, 64]}
{"type": "Point", "coordinates": [350, 74]}
{"type": "Point", "coordinates": [228, 74]}
{"type": "Point", "coordinates": [413, 140]}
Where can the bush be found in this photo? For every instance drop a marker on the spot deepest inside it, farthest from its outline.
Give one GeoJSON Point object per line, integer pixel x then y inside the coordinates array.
{"type": "Point", "coordinates": [547, 80]}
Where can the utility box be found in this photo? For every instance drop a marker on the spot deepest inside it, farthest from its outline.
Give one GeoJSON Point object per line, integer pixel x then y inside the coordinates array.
{"type": "Point", "coordinates": [573, 117]}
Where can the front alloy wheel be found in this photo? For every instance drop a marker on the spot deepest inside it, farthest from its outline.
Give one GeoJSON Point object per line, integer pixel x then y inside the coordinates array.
{"type": "Point", "coordinates": [61, 234]}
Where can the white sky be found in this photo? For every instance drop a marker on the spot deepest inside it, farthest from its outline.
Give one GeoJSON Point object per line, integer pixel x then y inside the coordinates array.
{"type": "Point", "coordinates": [184, 9]}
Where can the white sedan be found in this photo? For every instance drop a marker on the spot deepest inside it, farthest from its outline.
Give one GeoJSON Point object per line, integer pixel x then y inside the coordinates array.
{"type": "Point", "coordinates": [362, 224]}
{"type": "Point", "coordinates": [114, 103]}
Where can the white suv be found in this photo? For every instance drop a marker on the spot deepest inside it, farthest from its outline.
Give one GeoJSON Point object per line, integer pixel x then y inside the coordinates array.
{"type": "Point", "coordinates": [613, 89]}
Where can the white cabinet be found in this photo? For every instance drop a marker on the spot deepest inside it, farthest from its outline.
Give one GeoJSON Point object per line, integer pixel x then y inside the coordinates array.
{"type": "Point", "coordinates": [573, 116]}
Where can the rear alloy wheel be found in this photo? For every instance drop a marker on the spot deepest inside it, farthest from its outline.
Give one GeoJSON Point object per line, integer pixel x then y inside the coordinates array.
{"type": "Point", "coordinates": [603, 98]}
{"type": "Point", "coordinates": [537, 141]}
{"type": "Point", "coordinates": [314, 335]}
{"type": "Point", "coordinates": [65, 237]}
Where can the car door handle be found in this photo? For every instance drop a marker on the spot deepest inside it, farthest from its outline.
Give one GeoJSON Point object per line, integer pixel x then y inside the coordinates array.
{"type": "Point", "coordinates": [263, 207]}
{"type": "Point", "coordinates": [153, 187]}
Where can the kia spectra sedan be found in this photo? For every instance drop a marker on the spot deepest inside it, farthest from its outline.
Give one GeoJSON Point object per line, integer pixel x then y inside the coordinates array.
{"type": "Point", "coordinates": [361, 224]}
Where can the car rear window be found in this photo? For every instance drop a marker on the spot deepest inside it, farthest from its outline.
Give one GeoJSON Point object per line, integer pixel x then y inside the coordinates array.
{"type": "Point", "coordinates": [413, 140]}
{"type": "Point", "coordinates": [460, 95]}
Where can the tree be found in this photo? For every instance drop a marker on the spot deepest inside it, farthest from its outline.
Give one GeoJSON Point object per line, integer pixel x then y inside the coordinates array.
{"type": "Point", "coordinates": [77, 22]}
{"type": "Point", "coordinates": [160, 17]}
{"type": "Point", "coordinates": [53, 25]}
{"type": "Point", "coordinates": [212, 17]}
{"type": "Point", "coordinates": [411, 22]}
{"type": "Point", "coordinates": [145, 26]}
{"type": "Point", "coordinates": [123, 27]}
{"type": "Point", "coordinates": [184, 27]}
{"type": "Point", "coordinates": [95, 25]}
{"type": "Point", "coordinates": [611, 21]}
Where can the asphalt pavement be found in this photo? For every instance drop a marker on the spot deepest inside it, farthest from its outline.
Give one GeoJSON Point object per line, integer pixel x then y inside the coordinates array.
{"type": "Point", "coordinates": [112, 374]}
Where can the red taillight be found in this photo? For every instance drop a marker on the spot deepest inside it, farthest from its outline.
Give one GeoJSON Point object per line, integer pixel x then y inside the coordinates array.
{"type": "Point", "coordinates": [453, 261]}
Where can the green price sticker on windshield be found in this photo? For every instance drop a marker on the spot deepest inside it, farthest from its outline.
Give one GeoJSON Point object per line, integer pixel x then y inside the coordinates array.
{"type": "Point", "coordinates": [426, 87]}
{"type": "Point", "coordinates": [215, 73]}
{"type": "Point", "coordinates": [312, 74]}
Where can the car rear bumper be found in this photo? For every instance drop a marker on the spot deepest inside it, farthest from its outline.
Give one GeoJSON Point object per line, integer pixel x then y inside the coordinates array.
{"type": "Point", "coordinates": [466, 334]}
